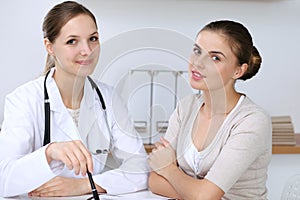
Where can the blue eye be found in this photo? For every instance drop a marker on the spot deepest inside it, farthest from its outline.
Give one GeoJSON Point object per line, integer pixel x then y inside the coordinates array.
{"type": "Point", "coordinates": [197, 51]}
{"type": "Point", "coordinates": [72, 41]}
{"type": "Point", "coordinates": [94, 39]}
{"type": "Point", "coordinates": [215, 58]}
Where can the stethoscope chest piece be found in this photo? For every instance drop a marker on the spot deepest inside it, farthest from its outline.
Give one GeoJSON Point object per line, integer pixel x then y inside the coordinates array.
{"type": "Point", "coordinates": [101, 151]}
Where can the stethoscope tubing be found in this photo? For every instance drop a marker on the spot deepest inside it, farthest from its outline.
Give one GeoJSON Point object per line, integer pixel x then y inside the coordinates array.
{"type": "Point", "coordinates": [47, 113]}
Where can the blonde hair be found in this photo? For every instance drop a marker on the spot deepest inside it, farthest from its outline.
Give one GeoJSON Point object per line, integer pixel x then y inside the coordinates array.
{"type": "Point", "coordinates": [56, 18]}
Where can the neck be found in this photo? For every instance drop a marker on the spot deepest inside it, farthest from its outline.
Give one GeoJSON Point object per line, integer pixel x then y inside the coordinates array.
{"type": "Point", "coordinates": [70, 88]}
{"type": "Point", "coordinates": [219, 102]}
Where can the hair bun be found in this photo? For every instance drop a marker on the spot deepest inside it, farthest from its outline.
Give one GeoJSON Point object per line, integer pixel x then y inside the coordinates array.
{"type": "Point", "coordinates": [254, 64]}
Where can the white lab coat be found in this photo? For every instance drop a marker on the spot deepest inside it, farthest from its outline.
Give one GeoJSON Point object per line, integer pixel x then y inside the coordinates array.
{"type": "Point", "coordinates": [23, 165]}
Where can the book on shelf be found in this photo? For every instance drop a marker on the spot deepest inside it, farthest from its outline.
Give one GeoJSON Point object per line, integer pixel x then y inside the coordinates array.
{"type": "Point", "coordinates": [284, 143]}
{"type": "Point", "coordinates": [284, 137]}
{"type": "Point", "coordinates": [283, 126]}
{"type": "Point", "coordinates": [281, 119]}
{"type": "Point", "coordinates": [283, 130]}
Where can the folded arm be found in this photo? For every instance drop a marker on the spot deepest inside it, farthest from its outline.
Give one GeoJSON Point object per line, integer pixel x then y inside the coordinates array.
{"type": "Point", "coordinates": [159, 185]}
{"type": "Point", "coordinates": [174, 182]}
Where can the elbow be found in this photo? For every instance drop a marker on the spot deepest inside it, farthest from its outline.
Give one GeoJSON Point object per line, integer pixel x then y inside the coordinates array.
{"type": "Point", "coordinates": [151, 183]}
{"type": "Point", "coordinates": [154, 184]}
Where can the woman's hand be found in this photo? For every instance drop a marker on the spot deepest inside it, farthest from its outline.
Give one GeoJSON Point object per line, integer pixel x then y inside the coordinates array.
{"type": "Point", "coordinates": [62, 186]}
{"type": "Point", "coordinates": [162, 157]}
{"type": "Point", "coordinates": [73, 154]}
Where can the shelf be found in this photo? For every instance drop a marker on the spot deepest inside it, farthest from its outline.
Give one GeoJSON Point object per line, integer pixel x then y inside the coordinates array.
{"type": "Point", "coordinates": [276, 149]}
{"type": "Point", "coordinates": [148, 147]}
{"type": "Point", "coordinates": [287, 149]}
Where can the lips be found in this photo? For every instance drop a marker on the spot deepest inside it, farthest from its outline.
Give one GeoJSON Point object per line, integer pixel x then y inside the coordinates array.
{"type": "Point", "coordinates": [84, 62]}
{"type": "Point", "coordinates": [197, 76]}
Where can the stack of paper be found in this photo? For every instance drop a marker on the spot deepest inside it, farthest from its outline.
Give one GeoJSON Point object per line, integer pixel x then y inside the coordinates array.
{"type": "Point", "coordinates": [283, 131]}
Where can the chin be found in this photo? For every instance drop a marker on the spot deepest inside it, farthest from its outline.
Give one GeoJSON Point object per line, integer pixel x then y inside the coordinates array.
{"type": "Point", "coordinates": [197, 85]}
{"type": "Point", "coordinates": [83, 71]}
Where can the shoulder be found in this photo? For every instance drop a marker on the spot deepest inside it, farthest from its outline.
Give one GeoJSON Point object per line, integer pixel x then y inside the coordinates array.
{"type": "Point", "coordinates": [33, 88]}
{"type": "Point", "coordinates": [103, 87]}
{"type": "Point", "coordinates": [25, 99]}
{"type": "Point", "coordinates": [109, 93]}
{"type": "Point", "coordinates": [252, 117]}
{"type": "Point", "coordinates": [248, 107]}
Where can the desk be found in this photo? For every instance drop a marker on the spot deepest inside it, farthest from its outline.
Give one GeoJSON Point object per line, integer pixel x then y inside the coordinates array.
{"type": "Point", "coordinates": [276, 149]}
{"type": "Point", "coordinates": [149, 147]}
{"type": "Point", "coordinates": [144, 195]}
{"type": "Point", "coordinates": [287, 149]}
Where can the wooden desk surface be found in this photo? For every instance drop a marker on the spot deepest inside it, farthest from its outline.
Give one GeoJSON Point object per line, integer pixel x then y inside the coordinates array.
{"type": "Point", "coordinates": [148, 147]}
{"type": "Point", "coordinates": [276, 149]}
{"type": "Point", "coordinates": [288, 149]}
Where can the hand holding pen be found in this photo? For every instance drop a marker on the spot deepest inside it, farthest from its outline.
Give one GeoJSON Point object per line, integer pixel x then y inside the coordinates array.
{"type": "Point", "coordinates": [73, 154]}
{"type": "Point", "coordinates": [93, 187]}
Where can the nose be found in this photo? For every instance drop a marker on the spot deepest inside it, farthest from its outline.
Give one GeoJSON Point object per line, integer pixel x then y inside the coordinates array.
{"type": "Point", "coordinates": [196, 62]}
{"type": "Point", "coordinates": [85, 49]}
{"type": "Point", "coordinates": [202, 61]}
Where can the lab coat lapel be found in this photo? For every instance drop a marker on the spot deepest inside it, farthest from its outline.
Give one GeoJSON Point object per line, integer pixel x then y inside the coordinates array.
{"type": "Point", "coordinates": [92, 126]}
{"type": "Point", "coordinates": [64, 122]}
{"type": "Point", "coordinates": [60, 117]}
{"type": "Point", "coordinates": [87, 116]}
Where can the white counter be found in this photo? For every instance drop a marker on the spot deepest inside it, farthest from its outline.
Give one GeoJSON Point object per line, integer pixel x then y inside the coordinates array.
{"type": "Point", "coordinates": [144, 195]}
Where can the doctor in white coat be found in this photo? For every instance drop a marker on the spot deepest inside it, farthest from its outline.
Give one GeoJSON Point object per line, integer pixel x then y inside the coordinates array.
{"type": "Point", "coordinates": [81, 134]}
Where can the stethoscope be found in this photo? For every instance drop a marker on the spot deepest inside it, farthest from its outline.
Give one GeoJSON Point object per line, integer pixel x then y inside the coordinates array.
{"type": "Point", "coordinates": [47, 113]}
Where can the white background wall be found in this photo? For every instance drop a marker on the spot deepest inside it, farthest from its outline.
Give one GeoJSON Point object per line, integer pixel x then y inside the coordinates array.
{"type": "Point", "coordinates": [273, 24]}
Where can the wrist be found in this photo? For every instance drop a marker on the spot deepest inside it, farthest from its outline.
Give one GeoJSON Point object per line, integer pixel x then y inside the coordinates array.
{"type": "Point", "coordinates": [169, 171]}
{"type": "Point", "coordinates": [47, 153]}
{"type": "Point", "coordinates": [87, 186]}
{"type": "Point", "coordinates": [100, 189]}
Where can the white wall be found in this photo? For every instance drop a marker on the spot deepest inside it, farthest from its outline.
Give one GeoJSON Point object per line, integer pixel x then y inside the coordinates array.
{"type": "Point", "coordinates": [282, 167]}
{"type": "Point", "coordinates": [273, 24]}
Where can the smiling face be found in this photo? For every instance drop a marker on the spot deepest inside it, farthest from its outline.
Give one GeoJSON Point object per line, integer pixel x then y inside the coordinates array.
{"type": "Point", "coordinates": [213, 65]}
{"type": "Point", "coordinates": [76, 49]}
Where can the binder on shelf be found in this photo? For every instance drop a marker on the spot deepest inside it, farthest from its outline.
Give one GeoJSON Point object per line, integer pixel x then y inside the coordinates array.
{"type": "Point", "coordinates": [140, 126]}
{"type": "Point", "coordinates": [161, 126]}
{"type": "Point", "coordinates": [148, 130]}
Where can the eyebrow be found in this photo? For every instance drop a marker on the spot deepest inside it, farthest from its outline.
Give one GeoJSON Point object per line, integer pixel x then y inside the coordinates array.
{"type": "Point", "coordinates": [196, 45]}
{"type": "Point", "coordinates": [76, 36]}
{"type": "Point", "coordinates": [214, 52]}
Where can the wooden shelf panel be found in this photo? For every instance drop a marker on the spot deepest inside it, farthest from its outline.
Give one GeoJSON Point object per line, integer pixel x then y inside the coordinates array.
{"type": "Point", "coordinates": [148, 147]}
{"type": "Point", "coordinates": [287, 149]}
{"type": "Point", "coordinates": [276, 149]}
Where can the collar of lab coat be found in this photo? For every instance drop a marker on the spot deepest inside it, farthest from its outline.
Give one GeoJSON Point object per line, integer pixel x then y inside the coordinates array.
{"type": "Point", "coordinates": [87, 115]}
{"type": "Point", "coordinates": [56, 103]}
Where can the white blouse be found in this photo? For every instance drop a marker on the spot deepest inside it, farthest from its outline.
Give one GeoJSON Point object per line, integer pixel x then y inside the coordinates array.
{"type": "Point", "coordinates": [75, 115]}
{"type": "Point", "coordinates": [194, 157]}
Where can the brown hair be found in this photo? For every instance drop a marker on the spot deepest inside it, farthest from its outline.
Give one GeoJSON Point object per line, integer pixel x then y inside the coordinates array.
{"type": "Point", "coordinates": [56, 18]}
{"type": "Point", "coordinates": [241, 44]}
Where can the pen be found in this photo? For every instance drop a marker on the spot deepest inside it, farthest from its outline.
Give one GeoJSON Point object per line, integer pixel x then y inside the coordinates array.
{"type": "Point", "coordinates": [94, 190]}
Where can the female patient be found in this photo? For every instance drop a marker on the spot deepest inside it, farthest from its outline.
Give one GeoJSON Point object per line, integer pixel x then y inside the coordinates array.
{"type": "Point", "coordinates": [218, 144]}
{"type": "Point", "coordinates": [81, 134]}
